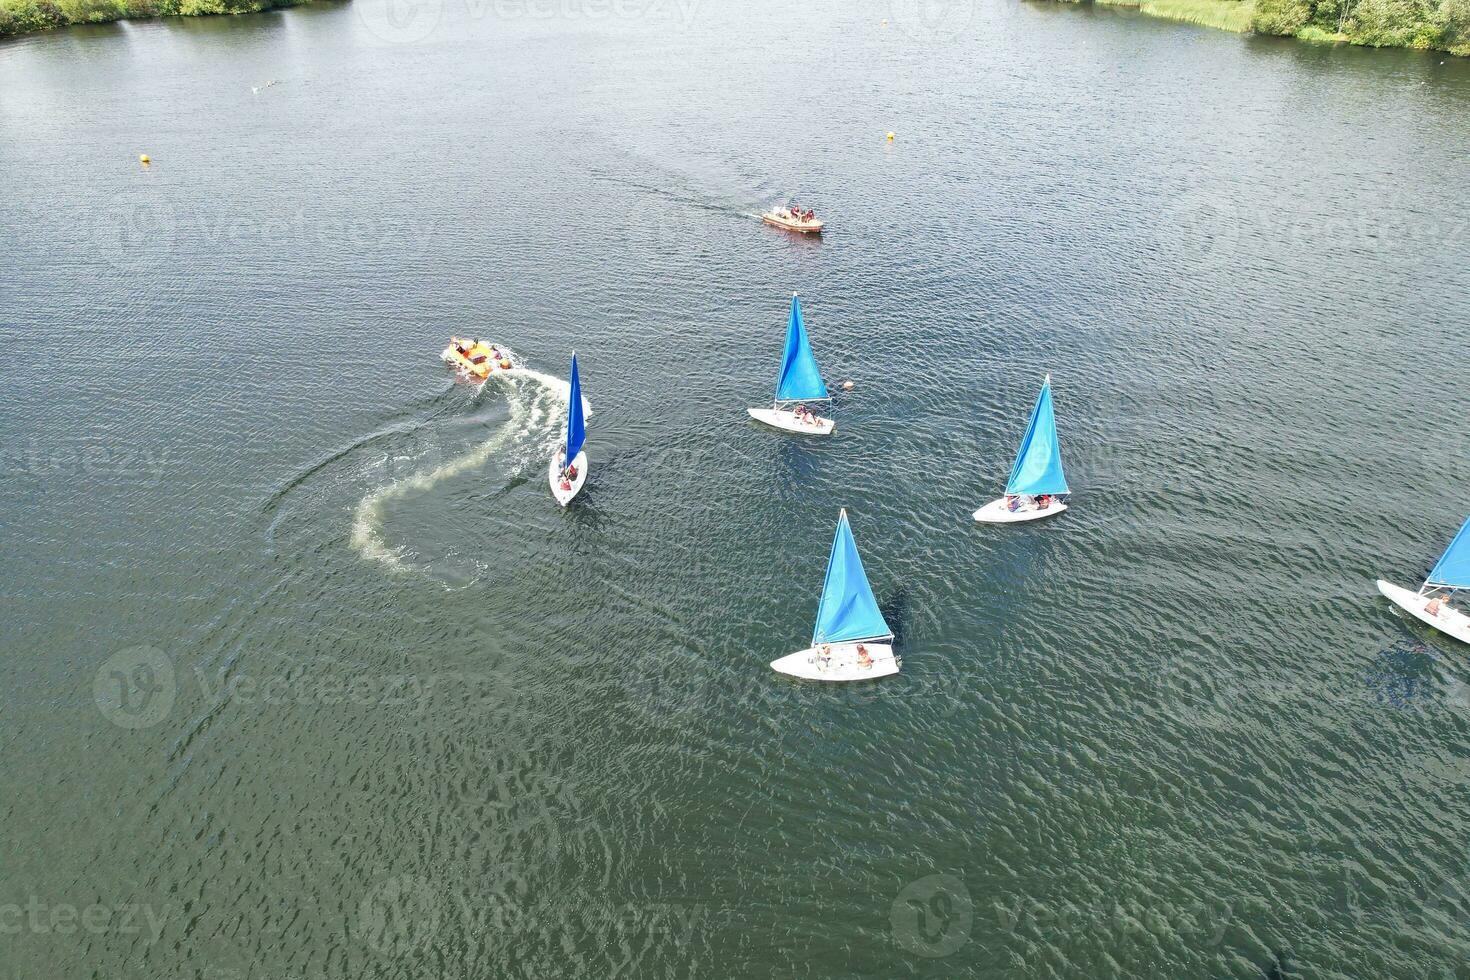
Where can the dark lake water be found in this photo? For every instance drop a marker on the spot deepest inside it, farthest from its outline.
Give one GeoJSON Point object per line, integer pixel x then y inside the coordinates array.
{"type": "Point", "coordinates": [303, 675]}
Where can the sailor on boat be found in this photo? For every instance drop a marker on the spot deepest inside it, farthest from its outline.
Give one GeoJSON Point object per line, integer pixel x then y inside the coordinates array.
{"type": "Point", "coordinates": [1016, 502]}
{"type": "Point", "coordinates": [793, 217]}
{"type": "Point", "coordinates": [568, 473]}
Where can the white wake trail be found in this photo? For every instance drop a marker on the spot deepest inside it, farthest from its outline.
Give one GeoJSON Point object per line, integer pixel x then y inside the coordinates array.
{"type": "Point", "coordinates": [367, 520]}
{"type": "Point", "coordinates": [561, 388]}
{"type": "Point", "coordinates": [527, 417]}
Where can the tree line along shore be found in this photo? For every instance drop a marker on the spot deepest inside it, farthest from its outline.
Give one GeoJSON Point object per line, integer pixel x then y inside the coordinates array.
{"type": "Point", "coordinates": [1431, 25]}
{"type": "Point", "coordinates": [27, 16]}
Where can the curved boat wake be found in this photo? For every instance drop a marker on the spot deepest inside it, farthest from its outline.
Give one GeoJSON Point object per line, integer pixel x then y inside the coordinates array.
{"type": "Point", "coordinates": [527, 431]}
{"type": "Point", "coordinates": [563, 389]}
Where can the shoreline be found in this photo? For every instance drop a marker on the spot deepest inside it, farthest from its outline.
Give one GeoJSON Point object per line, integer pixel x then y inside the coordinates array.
{"type": "Point", "coordinates": [19, 18]}
{"type": "Point", "coordinates": [1364, 23]}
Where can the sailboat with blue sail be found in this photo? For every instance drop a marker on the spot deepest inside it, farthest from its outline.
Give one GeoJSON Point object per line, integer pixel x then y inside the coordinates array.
{"type": "Point", "coordinates": [1037, 484]}
{"type": "Point", "coordinates": [798, 386]}
{"type": "Point", "coordinates": [1431, 604]}
{"type": "Point", "coordinates": [851, 641]}
{"type": "Point", "coordinates": [567, 478]}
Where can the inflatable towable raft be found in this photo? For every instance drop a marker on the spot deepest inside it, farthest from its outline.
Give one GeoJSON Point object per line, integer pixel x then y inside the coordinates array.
{"type": "Point", "coordinates": [475, 358]}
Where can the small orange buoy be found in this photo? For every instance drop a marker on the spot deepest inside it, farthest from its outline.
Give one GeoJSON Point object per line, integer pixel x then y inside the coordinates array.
{"type": "Point", "coordinates": [144, 159]}
{"type": "Point", "coordinates": [504, 363]}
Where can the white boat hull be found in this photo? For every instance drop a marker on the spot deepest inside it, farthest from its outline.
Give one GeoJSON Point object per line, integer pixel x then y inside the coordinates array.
{"type": "Point", "coordinates": [995, 512]}
{"type": "Point", "coordinates": [1449, 621]}
{"type": "Point", "coordinates": [788, 422]}
{"type": "Point", "coordinates": [553, 477]}
{"type": "Point", "coordinates": [842, 665]}
{"type": "Point", "coordinates": [783, 220]}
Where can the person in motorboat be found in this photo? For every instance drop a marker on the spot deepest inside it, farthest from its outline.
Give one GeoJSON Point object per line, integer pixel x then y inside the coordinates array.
{"type": "Point", "coordinates": [865, 659]}
{"type": "Point", "coordinates": [808, 215]}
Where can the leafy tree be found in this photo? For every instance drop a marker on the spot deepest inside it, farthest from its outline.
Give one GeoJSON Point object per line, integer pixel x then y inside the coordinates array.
{"type": "Point", "coordinates": [1453, 17]}
{"type": "Point", "coordinates": [1284, 17]}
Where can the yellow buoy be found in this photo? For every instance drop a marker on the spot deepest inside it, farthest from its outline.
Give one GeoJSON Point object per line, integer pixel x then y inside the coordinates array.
{"type": "Point", "coordinates": [890, 137]}
{"type": "Point", "coordinates": [144, 158]}
{"type": "Point", "coordinates": [885, 23]}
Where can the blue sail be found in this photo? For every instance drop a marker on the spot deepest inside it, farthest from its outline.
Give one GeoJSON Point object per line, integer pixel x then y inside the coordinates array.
{"type": "Point", "coordinates": [800, 379]}
{"type": "Point", "coordinates": [576, 427]}
{"type": "Point", "coordinates": [1453, 568]}
{"type": "Point", "coordinates": [1038, 466]}
{"type": "Point", "coordinates": [848, 610]}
